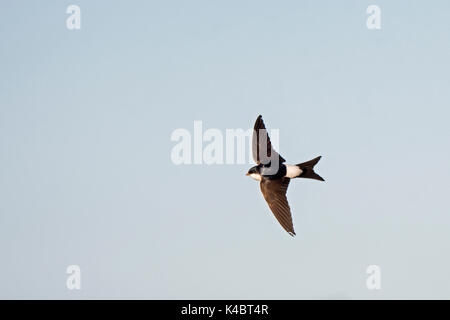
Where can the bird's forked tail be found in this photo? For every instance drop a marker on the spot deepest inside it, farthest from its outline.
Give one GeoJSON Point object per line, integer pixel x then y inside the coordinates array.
{"type": "Point", "coordinates": [308, 169]}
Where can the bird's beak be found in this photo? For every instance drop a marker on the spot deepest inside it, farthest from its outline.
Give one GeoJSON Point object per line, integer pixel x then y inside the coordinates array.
{"type": "Point", "coordinates": [247, 174]}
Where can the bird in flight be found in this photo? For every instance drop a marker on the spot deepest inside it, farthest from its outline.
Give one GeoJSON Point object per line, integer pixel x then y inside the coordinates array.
{"type": "Point", "coordinates": [274, 175]}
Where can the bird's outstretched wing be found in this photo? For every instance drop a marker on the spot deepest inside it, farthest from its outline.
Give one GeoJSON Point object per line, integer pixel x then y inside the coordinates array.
{"type": "Point", "coordinates": [262, 149]}
{"type": "Point", "coordinates": [274, 191]}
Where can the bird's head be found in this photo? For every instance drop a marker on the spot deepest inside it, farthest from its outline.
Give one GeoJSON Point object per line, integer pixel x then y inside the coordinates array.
{"type": "Point", "coordinates": [253, 172]}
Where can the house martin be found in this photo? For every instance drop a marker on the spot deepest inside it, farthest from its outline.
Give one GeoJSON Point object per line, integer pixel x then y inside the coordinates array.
{"type": "Point", "coordinates": [274, 175]}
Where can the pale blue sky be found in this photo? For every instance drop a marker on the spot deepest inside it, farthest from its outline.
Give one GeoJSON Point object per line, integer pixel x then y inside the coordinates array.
{"type": "Point", "coordinates": [86, 176]}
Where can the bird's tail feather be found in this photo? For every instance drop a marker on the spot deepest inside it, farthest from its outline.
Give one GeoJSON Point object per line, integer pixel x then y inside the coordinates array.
{"type": "Point", "coordinates": [308, 169]}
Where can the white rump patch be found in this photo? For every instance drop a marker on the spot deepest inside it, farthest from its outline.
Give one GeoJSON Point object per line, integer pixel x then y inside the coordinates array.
{"type": "Point", "coordinates": [292, 171]}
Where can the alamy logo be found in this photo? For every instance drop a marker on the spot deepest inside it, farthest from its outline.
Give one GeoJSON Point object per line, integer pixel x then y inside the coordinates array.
{"type": "Point", "coordinates": [73, 22]}
{"type": "Point", "coordinates": [74, 279]}
{"type": "Point", "coordinates": [212, 146]}
{"type": "Point", "coordinates": [374, 20]}
{"type": "Point", "coordinates": [373, 282]}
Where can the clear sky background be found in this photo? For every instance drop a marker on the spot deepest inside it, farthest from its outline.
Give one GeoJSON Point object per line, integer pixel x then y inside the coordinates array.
{"type": "Point", "coordinates": [85, 170]}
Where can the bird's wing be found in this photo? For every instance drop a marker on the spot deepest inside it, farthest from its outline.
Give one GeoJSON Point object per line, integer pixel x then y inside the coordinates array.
{"type": "Point", "coordinates": [261, 146]}
{"type": "Point", "coordinates": [274, 191]}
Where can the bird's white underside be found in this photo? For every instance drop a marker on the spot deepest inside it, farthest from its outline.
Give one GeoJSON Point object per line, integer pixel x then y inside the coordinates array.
{"type": "Point", "coordinates": [255, 176]}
